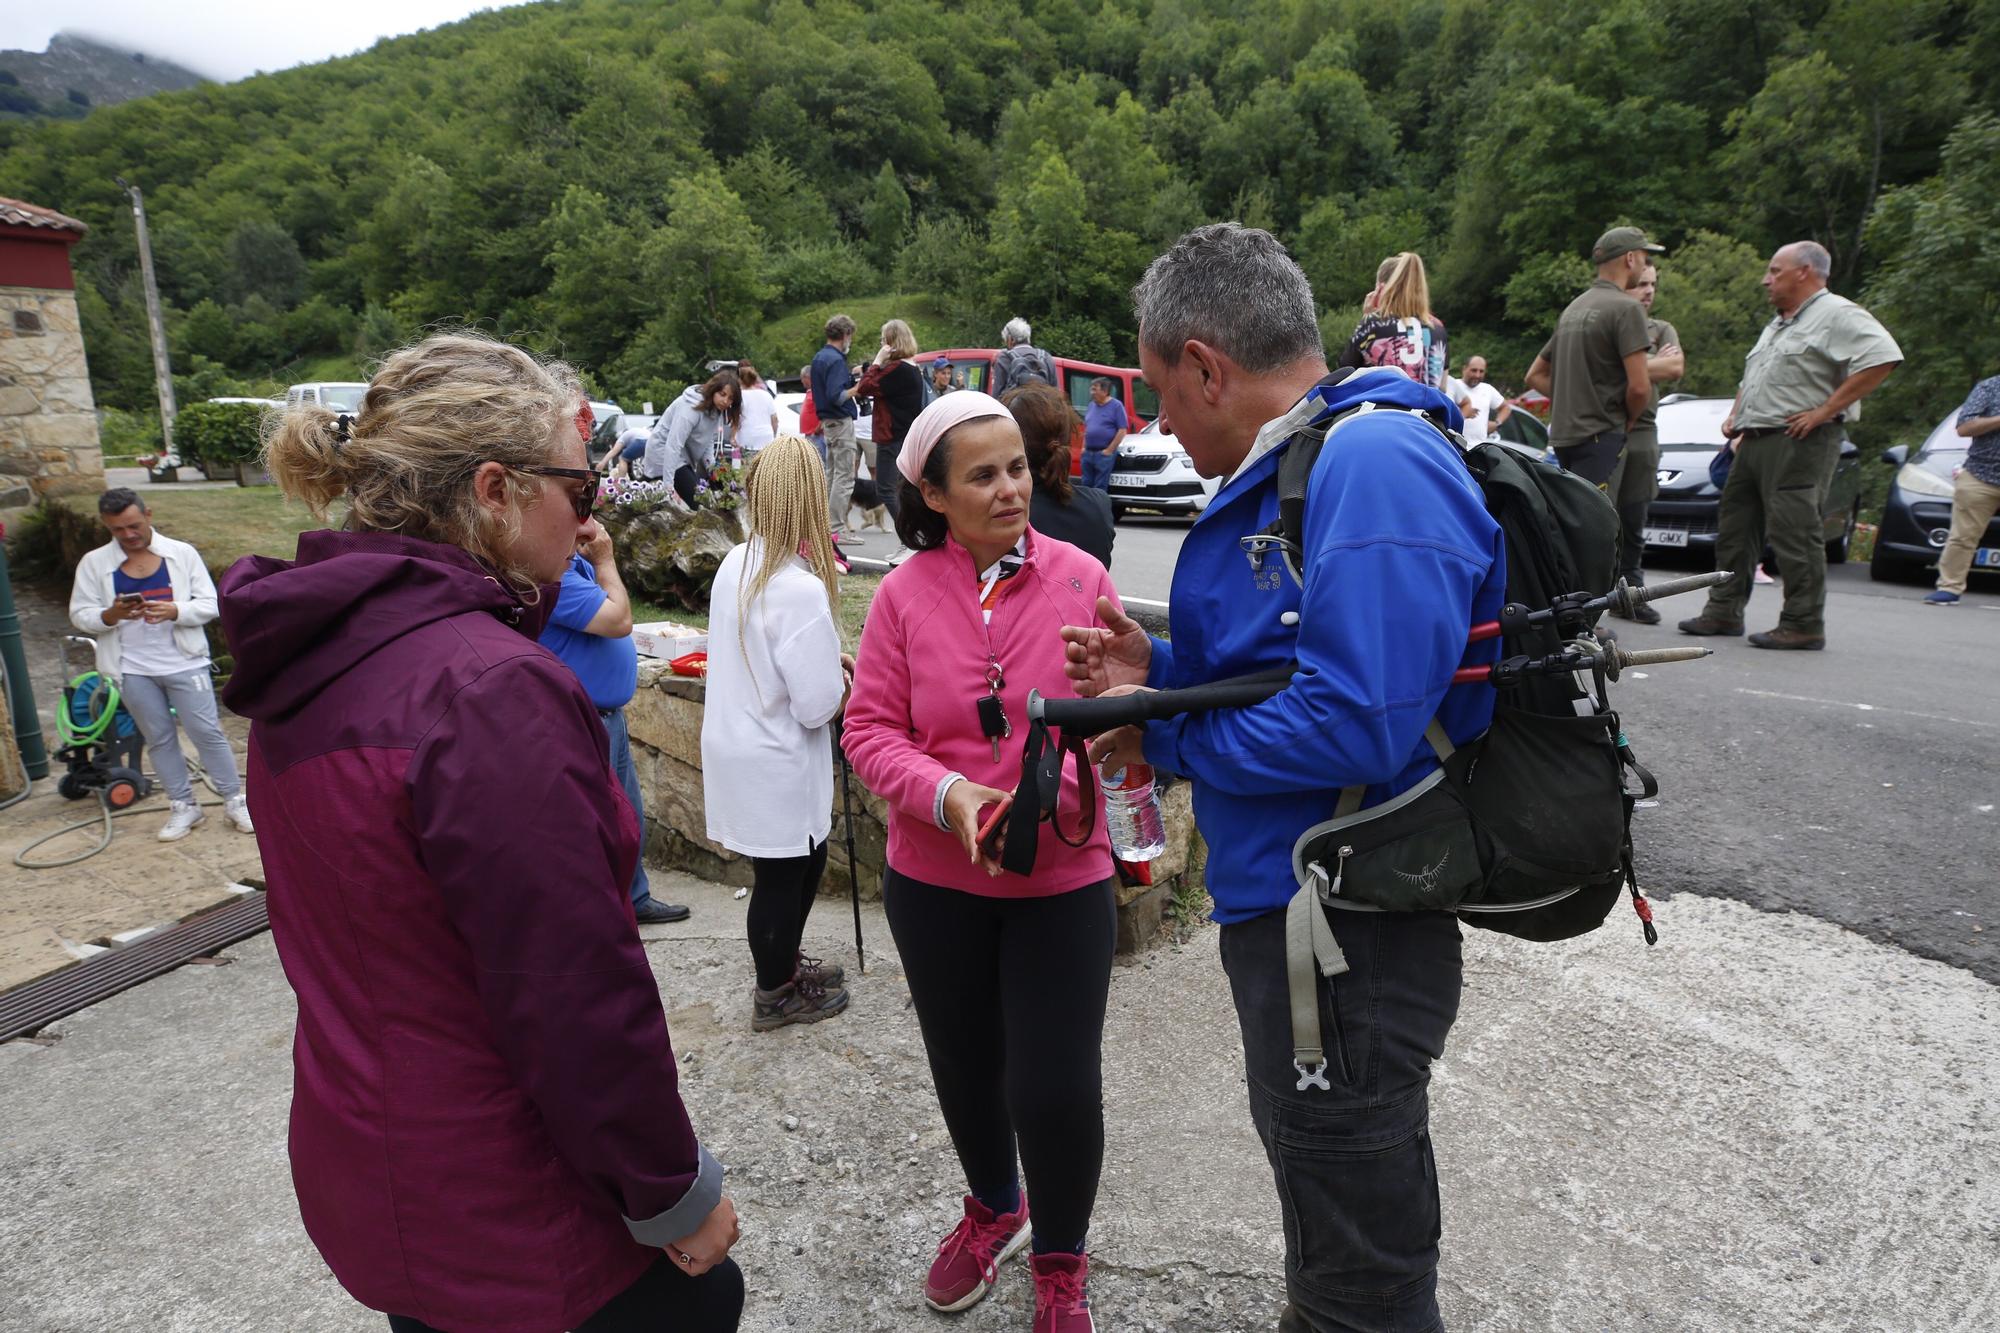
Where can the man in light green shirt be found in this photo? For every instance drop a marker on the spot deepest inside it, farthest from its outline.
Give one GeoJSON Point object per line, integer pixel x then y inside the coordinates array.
{"type": "Point", "coordinates": [1820, 356]}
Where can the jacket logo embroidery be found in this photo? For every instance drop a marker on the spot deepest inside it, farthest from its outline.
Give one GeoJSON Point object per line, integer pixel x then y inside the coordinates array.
{"type": "Point", "coordinates": [1425, 881]}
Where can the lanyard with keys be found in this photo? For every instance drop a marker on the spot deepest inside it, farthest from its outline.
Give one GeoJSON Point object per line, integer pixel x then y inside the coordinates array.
{"type": "Point", "coordinates": [993, 721]}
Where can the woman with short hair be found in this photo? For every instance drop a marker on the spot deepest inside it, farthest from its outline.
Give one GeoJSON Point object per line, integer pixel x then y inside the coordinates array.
{"type": "Point", "coordinates": [1009, 973]}
{"type": "Point", "coordinates": [776, 681]}
{"type": "Point", "coordinates": [690, 435]}
{"type": "Point", "coordinates": [897, 386]}
{"type": "Point", "coordinates": [1079, 515]}
{"type": "Point", "coordinates": [486, 1127]}
{"type": "Point", "coordinates": [1397, 328]}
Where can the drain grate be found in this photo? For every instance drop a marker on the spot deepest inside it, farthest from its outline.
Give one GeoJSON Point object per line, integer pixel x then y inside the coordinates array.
{"type": "Point", "coordinates": [29, 1008]}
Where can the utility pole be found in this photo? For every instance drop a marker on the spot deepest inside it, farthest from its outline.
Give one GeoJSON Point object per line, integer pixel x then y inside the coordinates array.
{"type": "Point", "coordinates": [163, 375]}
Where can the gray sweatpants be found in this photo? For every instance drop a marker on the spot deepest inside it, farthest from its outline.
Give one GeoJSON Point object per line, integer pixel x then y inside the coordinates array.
{"type": "Point", "coordinates": [841, 455]}
{"type": "Point", "coordinates": [191, 697]}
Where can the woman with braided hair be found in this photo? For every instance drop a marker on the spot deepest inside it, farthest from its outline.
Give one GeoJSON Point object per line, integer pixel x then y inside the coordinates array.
{"type": "Point", "coordinates": [776, 681]}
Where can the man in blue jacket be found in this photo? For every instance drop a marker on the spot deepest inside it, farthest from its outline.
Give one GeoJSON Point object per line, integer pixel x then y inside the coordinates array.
{"type": "Point", "coordinates": [1400, 558]}
{"type": "Point", "coordinates": [830, 381]}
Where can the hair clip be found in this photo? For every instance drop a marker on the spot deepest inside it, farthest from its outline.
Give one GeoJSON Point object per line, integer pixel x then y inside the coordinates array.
{"type": "Point", "coordinates": [343, 428]}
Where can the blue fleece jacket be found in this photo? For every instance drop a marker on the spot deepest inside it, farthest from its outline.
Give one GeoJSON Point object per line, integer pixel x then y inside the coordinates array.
{"type": "Point", "coordinates": [1401, 560]}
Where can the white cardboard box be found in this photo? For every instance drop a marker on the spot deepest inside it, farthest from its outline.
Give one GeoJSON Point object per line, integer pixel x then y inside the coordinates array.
{"type": "Point", "coordinates": [666, 640]}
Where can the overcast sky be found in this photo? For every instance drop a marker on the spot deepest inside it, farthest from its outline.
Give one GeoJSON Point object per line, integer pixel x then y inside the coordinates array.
{"type": "Point", "coordinates": [227, 39]}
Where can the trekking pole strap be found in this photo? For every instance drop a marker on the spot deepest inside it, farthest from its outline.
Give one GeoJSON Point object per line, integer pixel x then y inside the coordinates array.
{"type": "Point", "coordinates": [1309, 947]}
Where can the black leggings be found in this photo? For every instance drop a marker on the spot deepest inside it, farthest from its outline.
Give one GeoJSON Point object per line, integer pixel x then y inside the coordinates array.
{"type": "Point", "coordinates": [661, 1301]}
{"type": "Point", "coordinates": [779, 905]}
{"type": "Point", "coordinates": [888, 481]}
{"type": "Point", "coordinates": [1010, 993]}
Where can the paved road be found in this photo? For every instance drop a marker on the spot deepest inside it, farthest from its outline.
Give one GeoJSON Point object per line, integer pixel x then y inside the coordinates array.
{"type": "Point", "coordinates": [1861, 785]}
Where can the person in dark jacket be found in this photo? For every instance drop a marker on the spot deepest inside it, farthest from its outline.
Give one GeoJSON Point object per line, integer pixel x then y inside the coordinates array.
{"type": "Point", "coordinates": [486, 1128]}
{"type": "Point", "coordinates": [897, 387]}
{"type": "Point", "coordinates": [1079, 515]}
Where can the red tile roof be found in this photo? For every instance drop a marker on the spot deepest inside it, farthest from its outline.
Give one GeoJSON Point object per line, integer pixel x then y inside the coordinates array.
{"type": "Point", "coordinates": [20, 214]}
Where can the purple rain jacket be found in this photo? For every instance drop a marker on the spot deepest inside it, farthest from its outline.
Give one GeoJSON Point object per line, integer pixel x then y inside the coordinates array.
{"type": "Point", "coordinates": [486, 1129]}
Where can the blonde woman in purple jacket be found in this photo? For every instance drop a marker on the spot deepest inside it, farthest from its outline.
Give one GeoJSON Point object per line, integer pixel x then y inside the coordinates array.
{"type": "Point", "coordinates": [1009, 973]}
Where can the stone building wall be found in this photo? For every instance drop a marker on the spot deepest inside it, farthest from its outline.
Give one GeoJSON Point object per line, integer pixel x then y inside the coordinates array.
{"type": "Point", "coordinates": [664, 719]}
{"type": "Point", "coordinates": [48, 421]}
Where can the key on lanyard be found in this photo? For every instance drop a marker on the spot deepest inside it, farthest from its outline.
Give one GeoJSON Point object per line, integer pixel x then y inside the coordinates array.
{"type": "Point", "coordinates": [993, 720]}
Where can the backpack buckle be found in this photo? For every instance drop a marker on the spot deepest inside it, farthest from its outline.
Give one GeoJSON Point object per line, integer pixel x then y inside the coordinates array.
{"type": "Point", "coordinates": [1259, 545]}
{"type": "Point", "coordinates": [1312, 1078]}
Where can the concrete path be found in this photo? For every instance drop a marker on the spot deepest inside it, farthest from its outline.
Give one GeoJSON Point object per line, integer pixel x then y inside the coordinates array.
{"type": "Point", "coordinates": [1765, 1123]}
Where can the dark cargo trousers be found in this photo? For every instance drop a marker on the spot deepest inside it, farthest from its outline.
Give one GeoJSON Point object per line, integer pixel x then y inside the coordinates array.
{"type": "Point", "coordinates": [1357, 1185]}
{"type": "Point", "coordinates": [1777, 486]}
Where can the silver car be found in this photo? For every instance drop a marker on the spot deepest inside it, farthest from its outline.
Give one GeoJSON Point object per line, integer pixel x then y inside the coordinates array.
{"type": "Point", "coordinates": [1152, 471]}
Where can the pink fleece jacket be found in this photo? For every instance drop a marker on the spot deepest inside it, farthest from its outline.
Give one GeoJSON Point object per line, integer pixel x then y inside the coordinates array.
{"type": "Point", "coordinates": [918, 677]}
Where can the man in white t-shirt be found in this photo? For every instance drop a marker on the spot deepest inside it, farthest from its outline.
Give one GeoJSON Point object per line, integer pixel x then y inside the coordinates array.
{"type": "Point", "coordinates": [1484, 406]}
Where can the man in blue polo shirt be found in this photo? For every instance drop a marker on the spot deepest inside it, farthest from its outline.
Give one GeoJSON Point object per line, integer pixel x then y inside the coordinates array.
{"type": "Point", "coordinates": [1104, 428]}
{"type": "Point", "coordinates": [591, 631]}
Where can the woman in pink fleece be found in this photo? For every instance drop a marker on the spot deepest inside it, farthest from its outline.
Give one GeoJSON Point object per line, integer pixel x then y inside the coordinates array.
{"type": "Point", "coordinates": [1009, 974]}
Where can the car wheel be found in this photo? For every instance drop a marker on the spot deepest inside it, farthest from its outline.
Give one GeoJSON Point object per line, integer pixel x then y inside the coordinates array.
{"type": "Point", "coordinates": [1886, 568]}
{"type": "Point", "coordinates": [1837, 549]}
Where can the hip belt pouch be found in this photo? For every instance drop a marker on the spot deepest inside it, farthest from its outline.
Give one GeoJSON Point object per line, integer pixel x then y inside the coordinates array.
{"type": "Point", "coordinates": [1529, 813]}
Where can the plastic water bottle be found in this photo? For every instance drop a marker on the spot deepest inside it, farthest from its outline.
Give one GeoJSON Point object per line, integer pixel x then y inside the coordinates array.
{"type": "Point", "coordinates": [1132, 814]}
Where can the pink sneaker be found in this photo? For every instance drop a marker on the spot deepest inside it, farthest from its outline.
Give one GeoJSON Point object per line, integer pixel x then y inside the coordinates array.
{"type": "Point", "coordinates": [1061, 1303]}
{"type": "Point", "coordinates": [969, 1257]}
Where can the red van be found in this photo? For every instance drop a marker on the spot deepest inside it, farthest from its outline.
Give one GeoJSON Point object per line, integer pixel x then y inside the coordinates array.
{"type": "Point", "coordinates": [1073, 377]}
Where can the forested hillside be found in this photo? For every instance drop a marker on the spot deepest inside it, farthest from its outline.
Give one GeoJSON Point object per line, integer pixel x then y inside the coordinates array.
{"type": "Point", "coordinates": [642, 186]}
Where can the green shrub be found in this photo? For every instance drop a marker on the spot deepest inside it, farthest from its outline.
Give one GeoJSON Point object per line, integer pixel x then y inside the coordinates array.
{"type": "Point", "coordinates": [45, 544]}
{"type": "Point", "coordinates": [126, 435]}
{"type": "Point", "coordinates": [219, 435]}
{"type": "Point", "coordinates": [1075, 336]}
{"type": "Point", "coordinates": [821, 271]}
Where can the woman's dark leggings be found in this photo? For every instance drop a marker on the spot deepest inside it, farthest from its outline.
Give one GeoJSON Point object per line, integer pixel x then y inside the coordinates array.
{"type": "Point", "coordinates": [661, 1301]}
{"type": "Point", "coordinates": [888, 481]}
{"type": "Point", "coordinates": [1010, 993]}
{"type": "Point", "coordinates": [780, 902]}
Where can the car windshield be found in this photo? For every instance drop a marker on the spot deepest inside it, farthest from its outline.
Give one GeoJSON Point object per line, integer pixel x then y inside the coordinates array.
{"type": "Point", "coordinates": [342, 397]}
{"type": "Point", "coordinates": [1945, 439]}
{"type": "Point", "coordinates": [1693, 423]}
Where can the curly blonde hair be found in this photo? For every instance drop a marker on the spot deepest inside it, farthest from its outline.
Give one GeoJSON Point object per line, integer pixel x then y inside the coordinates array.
{"type": "Point", "coordinates": [405, 461]}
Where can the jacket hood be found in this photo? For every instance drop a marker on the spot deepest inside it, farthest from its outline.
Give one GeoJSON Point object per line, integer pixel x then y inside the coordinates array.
{"type": "Point", "coordinates": [295, 626]}
{"type": "Point", "coordinates": [691, 395]}
{"type": "Point", "coordinates": [1388, 386]}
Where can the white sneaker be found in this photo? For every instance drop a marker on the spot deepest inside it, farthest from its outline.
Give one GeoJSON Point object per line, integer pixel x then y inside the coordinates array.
{"type": "Point", "coordinates": [236, 809]}
{"type": "Point", "coordinates": [182, 816]}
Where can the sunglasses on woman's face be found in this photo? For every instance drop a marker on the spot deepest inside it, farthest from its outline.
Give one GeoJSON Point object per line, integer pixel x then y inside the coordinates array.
{"type": "Point", "coordinates": [584, 498]}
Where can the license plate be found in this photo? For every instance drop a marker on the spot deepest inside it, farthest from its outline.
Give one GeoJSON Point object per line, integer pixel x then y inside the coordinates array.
{"type": "Point", "coordinates": [1666, 536]}
{"type": "Point", "coordinates": [1134, 479]}
{"type": "Point", "coordinates": [1987, 557]}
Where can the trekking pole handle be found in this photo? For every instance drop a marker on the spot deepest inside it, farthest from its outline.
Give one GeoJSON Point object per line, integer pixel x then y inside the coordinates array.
{"type": "Point", "coordinates": [1654, 656]}
{"type": "Point", "coordinates": [1091, 717]}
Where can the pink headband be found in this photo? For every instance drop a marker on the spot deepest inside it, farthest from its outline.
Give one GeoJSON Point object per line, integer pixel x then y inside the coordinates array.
{"type": "Point", "coordinates": [952, 409]}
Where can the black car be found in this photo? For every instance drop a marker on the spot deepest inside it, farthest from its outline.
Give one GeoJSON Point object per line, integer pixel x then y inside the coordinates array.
{"type": "Point", "coordinates": [1916, 518]}
{"type": "Point", "coordinates": [1682, 517]}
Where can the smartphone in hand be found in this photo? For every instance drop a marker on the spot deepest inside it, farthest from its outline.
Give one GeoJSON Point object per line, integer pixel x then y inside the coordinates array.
{"type": "Point", "coordinates": [993, 831]}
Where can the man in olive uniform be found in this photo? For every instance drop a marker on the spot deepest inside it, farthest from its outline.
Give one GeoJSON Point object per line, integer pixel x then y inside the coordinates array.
{"type": "Point", "coordinates": [1638, 477]}
{"type": "Point", "coordinates": [1814, 361]}
{"type": "Point", "coordinates": [1594, 367]}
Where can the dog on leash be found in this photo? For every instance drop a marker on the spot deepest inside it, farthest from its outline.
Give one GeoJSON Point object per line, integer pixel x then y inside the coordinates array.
{"type": "Point", "coordinates": [868, 500]}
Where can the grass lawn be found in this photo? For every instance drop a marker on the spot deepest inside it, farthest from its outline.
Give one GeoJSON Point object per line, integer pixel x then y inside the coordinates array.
{"type": "Point", "coordinates": [226, 524]}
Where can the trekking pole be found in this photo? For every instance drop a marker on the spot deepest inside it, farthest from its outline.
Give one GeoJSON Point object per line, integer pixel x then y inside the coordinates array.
{"type": "Point", "coordinates": [853, 871]}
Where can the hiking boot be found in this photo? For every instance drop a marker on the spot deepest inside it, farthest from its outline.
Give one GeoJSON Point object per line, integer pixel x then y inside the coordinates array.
{"type": "Point", "coordinates": [1642, 614]}
{"type": "Point", "coordinates": [1788, 638]}
{"type": "Point", "coordinates": [799, 1001]}
{"type": "Point", "coordinates": [969, 1258]}
{"type": "Point", "coordinates": [650, 911]}
{"type": "Point", "coordinates": [830, 975]}
{"type": "Point", "coordinates": [236, 809]}
{"type": "Point", "coordinates": [1061, 1303]}
{"type": "Point", "coordinates": [1941, 598]}
{"type": "Point", "coordinates": [1707, 624]}
{"type": "Point", "coordinates": [182, 816]}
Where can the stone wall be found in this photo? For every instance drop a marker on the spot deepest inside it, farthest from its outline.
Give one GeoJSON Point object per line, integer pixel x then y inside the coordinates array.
{"type": "Point", "coordinates": [48, 422]}
{"type": "Point", "coordinates": [664, 719]}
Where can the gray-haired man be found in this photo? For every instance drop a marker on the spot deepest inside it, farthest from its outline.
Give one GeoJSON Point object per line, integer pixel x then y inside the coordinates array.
{"type": "Point", "coordinates": [1020, 361]}
{"type": "Point", "coordinates": [1819, 356]}
{"type": "Point", "coordinates": [1400, 558]}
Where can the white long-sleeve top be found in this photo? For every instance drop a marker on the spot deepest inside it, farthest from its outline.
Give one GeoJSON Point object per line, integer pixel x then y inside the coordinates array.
{"type": "Point", "coordinates": [194, 592]}
{"type": "Point", "coordinates": [766, 734]}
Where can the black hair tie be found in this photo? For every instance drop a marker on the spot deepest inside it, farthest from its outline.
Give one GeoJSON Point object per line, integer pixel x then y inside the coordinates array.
{"type": "Point", "coordinates": [343, 428]}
